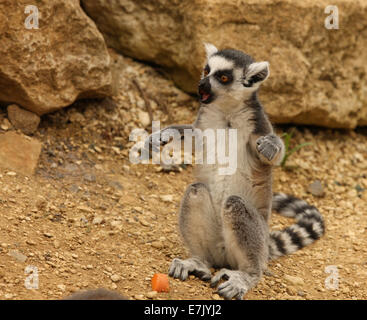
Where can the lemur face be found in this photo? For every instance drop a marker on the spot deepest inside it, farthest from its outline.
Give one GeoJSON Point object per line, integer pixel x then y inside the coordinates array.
{"type": "Point", "coordinates": [230, 75]}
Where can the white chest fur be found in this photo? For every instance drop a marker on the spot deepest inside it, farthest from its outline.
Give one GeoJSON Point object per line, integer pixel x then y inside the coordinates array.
{"type": "Point", "coordinates": [238, 182]}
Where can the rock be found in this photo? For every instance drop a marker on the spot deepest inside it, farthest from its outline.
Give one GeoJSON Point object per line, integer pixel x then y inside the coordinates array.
{"type": "Point", "coordinates": [167, 198]}
{"type": "Point", "coordinates": [48, 235]}
{"type": "Point", "coordinates": [144, 118]}
{"type": "Point", "coordinates": [316, 188]}
{"type": "Point", "coordinates": [115, 223]}
{"type": "Point", "coordinates": [151, 294]}
{"type": "Point", "coordinates": [48, 68]}
{"type": "Point", "coordinates": [30, 242]}
{"type": "Point", "coordinates": [144, 222]}
{"type": "Point", "coordinates": [56, 244]}
{"type": "Point", "coordinates": [171, 33]}
{"type": "Point", "coordinates": [86, 209]}
{"type": "Point", "coordinates": [19, 152]}
{"type": "Point", "coordinates": [115, 278]}
{"type": "Point", "coordinates": [97, 220]}
{"type": "Point", "coordinates": [5, 125]}
{"type": "Point", "coordinates": [97, 149]}
{"type": "Point", "coordinates": [23, 120]}
{"type": "Point", "coordinates": [116, 150]}
{"type": "Point", "coordinates": [294, 280]}
{"type": "Point", "coordinates": [157, 244]}
{"type": "Point", "coordinates": [17, 255]}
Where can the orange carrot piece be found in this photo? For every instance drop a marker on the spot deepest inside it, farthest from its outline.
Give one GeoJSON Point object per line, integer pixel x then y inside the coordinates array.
{"type": "Point", "coordinates": [160, 282]}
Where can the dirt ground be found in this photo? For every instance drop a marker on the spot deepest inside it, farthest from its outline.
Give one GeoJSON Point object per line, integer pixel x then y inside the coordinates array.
{"type": "Point", "coordinates": [89, 218]}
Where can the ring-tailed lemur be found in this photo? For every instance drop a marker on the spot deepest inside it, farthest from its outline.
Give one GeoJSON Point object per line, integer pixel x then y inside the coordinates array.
{"type": "Point", "coordinates": [223, 219]}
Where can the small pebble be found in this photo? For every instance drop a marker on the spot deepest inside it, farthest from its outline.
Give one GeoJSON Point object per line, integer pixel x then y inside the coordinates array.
{"type": "Point", "coordinates": [56, 244]}
{"type": "Point", "coordinates": [294, 280]}
{"type": "Point", "coordinates": [144, 223]}
{"type": "Point", "coordinates": [144, 118]}
{"type": "Point", "coordinates": [157, 244]}
{"type": "Point", "coordinates": [316, 188]}
{"type": "Point", "coordinates": [97, 220]}
{"type": "Point", "coordinates": [115, 278]}
{"type": "Point", "coordinates": [30, 242]}
{"type": "Point", "coordinates": [6, 125]}
{"type": "Point", "coordinates": [167, 198]}
{"type": "Point", "coordinates": [17, 255]}
{"type": "Point", "coordinates": [151, 294]}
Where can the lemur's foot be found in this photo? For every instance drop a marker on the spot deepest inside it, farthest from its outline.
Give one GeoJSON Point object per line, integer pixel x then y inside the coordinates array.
{"type": "Point", "coordinates": [235, 285]}
{"type": "Point", "coordinates": [182, 268]}
{"type": "Point", "coordinates": [269, 147]}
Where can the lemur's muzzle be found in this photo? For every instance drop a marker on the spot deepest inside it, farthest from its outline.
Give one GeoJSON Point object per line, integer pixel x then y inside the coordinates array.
{"type": "Point", "coordinates": [205, 91]}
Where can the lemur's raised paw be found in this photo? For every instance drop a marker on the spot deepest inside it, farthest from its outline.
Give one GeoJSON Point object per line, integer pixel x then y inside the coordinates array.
{"type": "Point", "coordinates": [182, 268]}
{"type": "Point", "coordinates": [235, 285]}
{"type": "Point", "coordinates": [269, 147]}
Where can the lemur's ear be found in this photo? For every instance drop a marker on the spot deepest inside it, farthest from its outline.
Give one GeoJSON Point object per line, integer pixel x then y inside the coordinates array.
{"type": "Point", "coordinates": [256, 73]}
{"type": "Point", "coordinates": [210, 49]}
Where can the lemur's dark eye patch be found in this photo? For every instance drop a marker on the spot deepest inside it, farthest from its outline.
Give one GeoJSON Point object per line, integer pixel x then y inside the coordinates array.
{"type": "Point", "coordinates": [224, 76]}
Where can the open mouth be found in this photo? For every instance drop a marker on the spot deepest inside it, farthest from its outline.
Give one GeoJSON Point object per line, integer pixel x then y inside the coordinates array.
{"type": "Point", "coordinates": [205, 97]}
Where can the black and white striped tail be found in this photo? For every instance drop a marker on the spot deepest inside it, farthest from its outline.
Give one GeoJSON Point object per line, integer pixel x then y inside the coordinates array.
{"type": "Point", "coordinates": [309, 225]}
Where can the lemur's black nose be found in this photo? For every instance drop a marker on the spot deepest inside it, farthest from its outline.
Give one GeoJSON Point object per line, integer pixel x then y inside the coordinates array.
{"type": "Point", "coordinates": [204, 85]}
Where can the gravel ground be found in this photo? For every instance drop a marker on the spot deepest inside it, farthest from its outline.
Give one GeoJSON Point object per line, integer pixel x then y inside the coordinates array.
{"type": "Point", "coordinates": [89, 218]}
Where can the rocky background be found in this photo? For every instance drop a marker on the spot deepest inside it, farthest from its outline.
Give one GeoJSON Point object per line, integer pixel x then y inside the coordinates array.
{"type": "Point", "coordinates": [318, 75]}
{"type": "Point", "coordinates": [72, 91]}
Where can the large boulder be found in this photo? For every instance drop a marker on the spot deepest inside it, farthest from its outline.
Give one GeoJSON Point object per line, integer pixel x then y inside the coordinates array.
{"type": "Point", "coordinates": [50, 67]}
{"type": "Point", "coordinates": [318, 75]}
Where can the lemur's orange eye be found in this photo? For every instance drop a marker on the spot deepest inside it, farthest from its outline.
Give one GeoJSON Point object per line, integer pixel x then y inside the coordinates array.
{"type": "Point", "coordinates": [224, 78]}
{"type": "Point", "coordinates": [206, 72]}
